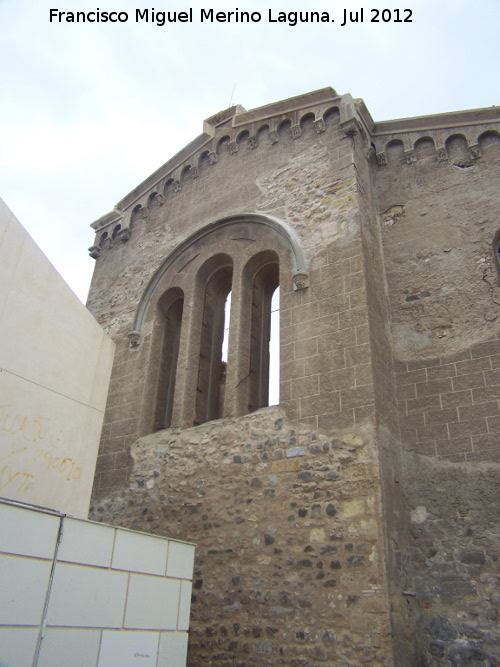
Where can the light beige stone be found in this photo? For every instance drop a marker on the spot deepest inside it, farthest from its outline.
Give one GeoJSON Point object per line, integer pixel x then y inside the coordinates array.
{"type": "Point", "coordinates": [56, 364]}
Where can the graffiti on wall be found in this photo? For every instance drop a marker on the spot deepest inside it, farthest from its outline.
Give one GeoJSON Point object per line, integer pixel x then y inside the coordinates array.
{"type": "Point", "coordinates": [32, 446]}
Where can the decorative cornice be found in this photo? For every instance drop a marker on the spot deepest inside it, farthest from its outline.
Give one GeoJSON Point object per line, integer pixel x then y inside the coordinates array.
{"type": "Point", "coordinates": [221, 117]}
{"type": "Point", "coordinates": [274, 137]}
{"type": "Point", "coordinates": [286, 107]}
{"type": "Point", "coordinates": [237, 117]}
{"type": "Point", "coordinates": [475, 151]}
{"type": "Point", "coordinates": [319, 125]}
{"type": "Point", "coordinates": [351, 127]}
{"type": "Point", "coordinates": [442, 121]}
{"type": "Point", "coordinates": [134, 338]}
{"type": "Point", "coordinates": [410, 156]}
{"type": "Point", "coordinates": [111, 218]}
{"type": "Point", "coordinates": [300, 280]}
{"type": "Point", "coordinates": [236, 124]}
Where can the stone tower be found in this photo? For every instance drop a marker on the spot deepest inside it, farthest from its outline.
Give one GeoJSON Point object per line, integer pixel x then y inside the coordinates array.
{"type": "Point", "coordinates": [356, 522]}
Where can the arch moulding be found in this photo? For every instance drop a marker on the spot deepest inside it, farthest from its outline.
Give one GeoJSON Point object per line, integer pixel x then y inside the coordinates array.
{"type": "Point", "coordinates": [300, 264]}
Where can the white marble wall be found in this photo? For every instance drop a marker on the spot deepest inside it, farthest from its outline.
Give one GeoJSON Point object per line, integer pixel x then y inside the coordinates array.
{"type": "Point", "coordinates": [55, 365]}
{"type": "Point", "coordinates": [116, 597]}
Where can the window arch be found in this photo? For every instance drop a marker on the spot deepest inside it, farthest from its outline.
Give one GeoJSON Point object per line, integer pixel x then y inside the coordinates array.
{"type": "Point", "coordinates": [262, 273]}
{"type": "Point", "coordinates": [216, 276]}
{"type": "Point", "coordinates": [274, 350]}
{"type": "Point", "coordinates": [180, 320]}
{"type": "Point", "coordinates": [171, 306]}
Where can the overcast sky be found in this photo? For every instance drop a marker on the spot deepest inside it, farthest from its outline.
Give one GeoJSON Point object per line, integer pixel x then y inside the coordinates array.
{"type": "Point", "coordinates": [89, 110]}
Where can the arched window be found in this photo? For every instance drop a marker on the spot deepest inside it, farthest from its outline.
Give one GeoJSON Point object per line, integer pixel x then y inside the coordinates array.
{"type": "Point", "coordinates": [195, 368]}
{"type": "Point", "coordinates": [211, 368]}
{"type": "Point", "coordinates": [171, 306]}
{"type": "Point", "coordinates": [274, 350]}
{"type": "Point", "coordinates": [263, 274]}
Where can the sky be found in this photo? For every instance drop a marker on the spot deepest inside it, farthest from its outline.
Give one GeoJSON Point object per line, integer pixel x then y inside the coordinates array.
{"type": "Point", "coordinates": [89, 110]}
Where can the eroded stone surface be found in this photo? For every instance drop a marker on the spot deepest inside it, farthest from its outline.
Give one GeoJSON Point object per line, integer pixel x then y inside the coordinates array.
{"type": "Point", "coordinates": [455, 554]}
{"type": "Point", "coordinates": [289, 560]}
{"type": "Point", "coordinates": [390, 349]}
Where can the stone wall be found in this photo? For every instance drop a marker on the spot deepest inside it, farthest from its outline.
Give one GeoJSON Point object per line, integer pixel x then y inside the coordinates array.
{"type": "Point", "coordinates": [454, 529]}
{"type": "Point", "coordinates": [286, 518]}
{"type": "Point", "coordinates": [310, 182]}
{"type": "Point", "coordinates": [395, 515]}
{"type": "Point", "coordinates": [438, 216]}
{"type": "Point", "coordinates": [259, 495]}
{"type": "Point", "coordinates": [388, 380]}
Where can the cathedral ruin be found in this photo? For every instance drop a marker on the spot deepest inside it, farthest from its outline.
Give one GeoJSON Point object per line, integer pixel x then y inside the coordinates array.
{"type": "Point", "coordinates": [355, 523]}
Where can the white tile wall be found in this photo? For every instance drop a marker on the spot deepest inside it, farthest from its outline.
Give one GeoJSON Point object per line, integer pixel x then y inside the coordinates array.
{"type": "Point", "coordinates": [140, 553]}
{"type": "Point", "coordinates": [86, 543]}
{"type": "Point", "coordinates": [129, 649]}
{"type": "Point", "coordinates": [184, 605]}
{"type": "Point", "coordinates": [152, 603]}
{"type": "Point", "coordinates": [23, 587]}
{"type": "Point", "coordinates": [17, 646]}
{"type": "Point", "coordinates": [99, 615]}
{"type": "Point", "coordinates": [173, 649]}
{"type": "Point", "coordinates": [180, 560]}
{"type": "Point", "coordinates": [65, 647]}
{"type": "Point", "coordinates": [87, 597]}
{"type": "Point", "coordinates": [27, 533]}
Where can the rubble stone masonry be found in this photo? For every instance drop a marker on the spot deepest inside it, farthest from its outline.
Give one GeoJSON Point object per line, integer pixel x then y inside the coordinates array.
{"type": "Point", "coordinates": [289, 566]}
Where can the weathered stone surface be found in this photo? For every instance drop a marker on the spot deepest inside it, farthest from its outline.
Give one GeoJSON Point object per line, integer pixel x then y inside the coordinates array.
{"type": "Point", "coordinates": [252, 562]}
{"type": "Point", "coordinates": [389, 383]}
{"type": "Point", "coordinates": [452, 582]}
